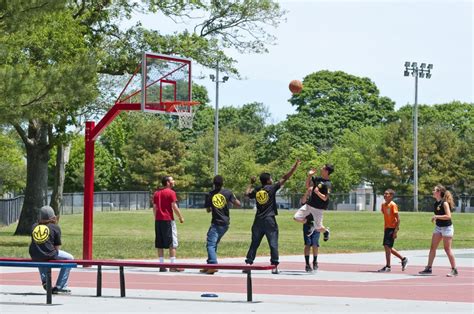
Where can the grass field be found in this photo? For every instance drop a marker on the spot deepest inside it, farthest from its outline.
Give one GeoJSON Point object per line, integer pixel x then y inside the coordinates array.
{"type": "Point", "coordinates": [131, 234]}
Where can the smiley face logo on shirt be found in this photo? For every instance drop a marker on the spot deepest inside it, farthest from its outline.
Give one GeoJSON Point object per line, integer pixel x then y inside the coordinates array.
{"type": "Point", "coordinates": [219, 201]}
{"type": "Point", "coordinates": [262, 197]}
{"type": "Point", "coordinates": [40, 234]}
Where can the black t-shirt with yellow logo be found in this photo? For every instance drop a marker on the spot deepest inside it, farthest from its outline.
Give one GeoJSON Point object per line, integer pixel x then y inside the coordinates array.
{"type": "Point", "coordinates": [324, 187]}
{"type": "Point", "coordinates": [266, 200]}
{"type": "Point", "coordinates": [218, 201]}
{"type": "Point", "coordinates": [44, 238]}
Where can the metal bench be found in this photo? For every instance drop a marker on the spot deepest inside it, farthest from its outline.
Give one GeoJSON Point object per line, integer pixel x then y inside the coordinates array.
{"type": "Point", "coordinates": [48, 265]}
{"type": "Point", "coordinates": [121, 264]}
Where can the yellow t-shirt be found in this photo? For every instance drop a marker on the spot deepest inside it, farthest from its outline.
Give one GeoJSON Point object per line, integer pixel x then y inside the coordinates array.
{"type": "Point", "coordinates": [389, 210]}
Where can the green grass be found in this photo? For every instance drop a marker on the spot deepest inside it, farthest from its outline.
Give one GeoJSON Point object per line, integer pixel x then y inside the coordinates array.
{"type": "Point", "coordinates": [131, 234]}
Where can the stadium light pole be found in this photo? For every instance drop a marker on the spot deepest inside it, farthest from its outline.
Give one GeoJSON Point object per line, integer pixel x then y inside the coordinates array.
{"type": "Point", "coordinates": [215, 78]}
{"type": "Point", "coordinates": [416, 71]}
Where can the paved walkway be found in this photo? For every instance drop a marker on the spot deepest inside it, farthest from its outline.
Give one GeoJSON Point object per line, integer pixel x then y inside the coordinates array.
{"type": "Point", "coordinates": [344, 283]}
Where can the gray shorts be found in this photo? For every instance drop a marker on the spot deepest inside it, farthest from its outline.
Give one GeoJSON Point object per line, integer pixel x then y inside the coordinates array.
{"type": "Point", "coordinates": [444, 231]}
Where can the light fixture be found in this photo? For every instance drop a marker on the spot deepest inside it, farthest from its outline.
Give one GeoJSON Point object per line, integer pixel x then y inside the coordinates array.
{"type": "Point", "coordinates": [212, 77]}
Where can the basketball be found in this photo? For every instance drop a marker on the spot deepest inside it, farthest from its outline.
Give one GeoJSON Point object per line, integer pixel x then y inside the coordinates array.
{"type": "Point", "coordinates": [296, 86]}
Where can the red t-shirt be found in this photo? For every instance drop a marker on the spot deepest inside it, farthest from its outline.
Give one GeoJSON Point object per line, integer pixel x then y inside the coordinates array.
{"type": "Point", "coordinates": [162, 200]}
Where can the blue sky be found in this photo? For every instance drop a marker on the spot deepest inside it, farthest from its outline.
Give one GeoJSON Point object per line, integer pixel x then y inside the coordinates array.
{"type": "Point", "coordinates": [364, 38]}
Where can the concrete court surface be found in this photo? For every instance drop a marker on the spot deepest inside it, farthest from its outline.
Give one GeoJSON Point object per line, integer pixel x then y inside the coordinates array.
{"type": "Point", "coordinates": [344, 283]}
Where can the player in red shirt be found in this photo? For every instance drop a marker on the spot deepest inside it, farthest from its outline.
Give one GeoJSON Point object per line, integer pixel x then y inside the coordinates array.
{"type": "Point", "coordinates": [165, 206]}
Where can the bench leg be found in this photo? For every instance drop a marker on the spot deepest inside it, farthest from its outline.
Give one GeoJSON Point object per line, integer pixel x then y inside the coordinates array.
{"type": "Point", "coordinates": [49, 292]}
{"type": "Point", "coordinates": [99, 281]}
{"type": "Point", "coordinates": [122, 282]}
{"type": "Point", "coordinates": [249, 286]}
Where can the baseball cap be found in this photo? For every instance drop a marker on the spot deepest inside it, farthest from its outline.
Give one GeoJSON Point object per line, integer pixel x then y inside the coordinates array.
{"type": "Point", "coordinates": [46, 213]}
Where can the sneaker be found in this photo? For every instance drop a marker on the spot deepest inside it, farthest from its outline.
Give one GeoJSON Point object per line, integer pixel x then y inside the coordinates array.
{"type": "Point", "coordinates": [312, 229]}
{"type": "Point", "coordinates": [315, 266]}
{"type": "Point", "coordinates": [44, 286]}
{"type": "Point", "coordinates": [385, 269]}
{"type": "Point", "coordinates": [275, 271]}
{"type": "Point", "coordinates": [163, 270]}
{"type": "Point", "coordinates": [426, 271]}
{"type": "Point", "coordinates": [326, 234]}
{"type": "Point", "coordinates": [211, 271]}
{"type": "Point", "coordinates": [308, 268]}
{"type": "Point", "coordinates": [453, 273]}
{"type": "Point", "coordinates": [404, 263]}
{"type": "Point", "coordinates": [203, 271]}
{"type": "Point", "coordinates": [56, 290]}
{"type": "Point", "coordinates": [176, 270]}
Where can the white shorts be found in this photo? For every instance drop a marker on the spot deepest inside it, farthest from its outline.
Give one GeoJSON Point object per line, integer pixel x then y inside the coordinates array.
{"type": "Point", "coordinates": [175, 234]}
{"type": "Point", "coordinates": [444, 231]}
{"type": "Point", "coordinates": [306, 210]}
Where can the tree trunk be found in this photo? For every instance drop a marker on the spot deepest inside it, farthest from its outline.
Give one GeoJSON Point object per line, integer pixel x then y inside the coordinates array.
{"type": "Point", "coordinates": [36, 191]}
{"type": "Point", "coordinates": [62, 158]}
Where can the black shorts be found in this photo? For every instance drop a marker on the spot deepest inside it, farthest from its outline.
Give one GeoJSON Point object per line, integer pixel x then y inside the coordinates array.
{"type": "Point", "coordinates": [388, 239]}
{"type": "Point", "coordinates": [163, 234]}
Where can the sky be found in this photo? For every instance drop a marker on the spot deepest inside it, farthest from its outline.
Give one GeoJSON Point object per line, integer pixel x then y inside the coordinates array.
{"type": "Point", "coordinates": [364, 38]}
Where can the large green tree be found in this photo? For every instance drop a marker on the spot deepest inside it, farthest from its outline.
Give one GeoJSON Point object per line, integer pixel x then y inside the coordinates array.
{"type": "Point", "coordinates": [50, 75]}
{"type": "Point", "coordinates": [332, 102]}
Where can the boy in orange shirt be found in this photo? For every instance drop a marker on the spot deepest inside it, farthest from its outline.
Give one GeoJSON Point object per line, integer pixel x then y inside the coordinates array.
{"type": "Point", "coordinates": [392, 223]}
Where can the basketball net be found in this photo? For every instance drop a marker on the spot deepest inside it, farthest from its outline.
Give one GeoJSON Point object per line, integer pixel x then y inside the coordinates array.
{"type": "Point", "coordinates": [185, 116]}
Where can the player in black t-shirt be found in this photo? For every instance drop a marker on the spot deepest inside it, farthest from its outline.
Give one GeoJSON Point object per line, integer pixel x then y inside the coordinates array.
{"type": "Point", "coordinates": [265, 223]}
{"type": "Point", "coordinates": [316, 200]}
{"type": "Point", "coordinates": [217, 202]}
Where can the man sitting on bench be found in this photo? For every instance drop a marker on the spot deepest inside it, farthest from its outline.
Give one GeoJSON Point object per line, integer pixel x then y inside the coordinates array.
{"type": "Point", "coordinates": [45, 244]}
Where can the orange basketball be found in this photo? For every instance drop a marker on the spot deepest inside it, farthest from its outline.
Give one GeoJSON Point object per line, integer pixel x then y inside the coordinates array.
{"type": "Point", "coordinates": [296, 86]}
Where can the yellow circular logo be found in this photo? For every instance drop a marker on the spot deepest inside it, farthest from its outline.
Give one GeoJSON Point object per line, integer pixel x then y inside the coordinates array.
{"type": "Point", "coordinates": [40, 234]}
{"type": "Point", "coordinates": [219, 201]}
{"type": "Point", "coordinates": [320, 186]}
{"type": "Point", "coordinates": [262, 197]}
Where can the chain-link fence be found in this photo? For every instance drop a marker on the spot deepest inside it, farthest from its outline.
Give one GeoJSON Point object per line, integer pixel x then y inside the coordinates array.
{"type": "Point", "coordinates": [73, 203]}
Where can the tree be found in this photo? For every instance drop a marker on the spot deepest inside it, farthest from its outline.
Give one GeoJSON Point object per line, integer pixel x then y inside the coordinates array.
{"type": "Point", "coordinates": [12, 164]}
{"type": "Point", "coordinates": [332, 102]}
{"type": "Point", "coordinates": [55, 51]}
{"type": "Point", "coordinates": [48, 74]}
{"type": "Point", "coordinates": [152, 152]}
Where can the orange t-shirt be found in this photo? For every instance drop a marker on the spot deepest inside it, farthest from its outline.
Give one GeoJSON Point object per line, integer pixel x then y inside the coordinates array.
{"type": "Point", "coordinates": [389, 210]}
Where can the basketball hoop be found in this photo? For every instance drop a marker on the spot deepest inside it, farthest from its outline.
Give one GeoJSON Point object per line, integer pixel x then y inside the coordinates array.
{"type": "Point", "coordinates": [185, 115]}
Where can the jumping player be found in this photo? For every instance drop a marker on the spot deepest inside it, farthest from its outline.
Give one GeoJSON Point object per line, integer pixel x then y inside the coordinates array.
{"type": "Point", "coordinates": [316, 200]}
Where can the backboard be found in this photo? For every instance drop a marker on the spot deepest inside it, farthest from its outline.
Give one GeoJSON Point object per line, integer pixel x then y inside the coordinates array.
{"type": "Point", "coordinates": [162, 84]}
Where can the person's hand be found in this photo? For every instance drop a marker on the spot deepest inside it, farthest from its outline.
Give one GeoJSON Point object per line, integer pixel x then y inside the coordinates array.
{"type": "Point", "coordinates": [311, 171]}
{"type": "Point", "coordinates": [395, 234]}
{"type": "Point", "coordinates": [181, 219]}
{"type": "Point", "coordinates": [253, 179]}
{"type": "Point", "coordinates": [433, 219]}
{"type": "Point", "coordinates": [297, 162]}
{"type": "Point", "coordinates": [302, 201]}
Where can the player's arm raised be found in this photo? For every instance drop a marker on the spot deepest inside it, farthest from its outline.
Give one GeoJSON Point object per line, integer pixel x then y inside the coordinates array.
{"type": "Point", "coordinates": [290, 173]}
{"type": "Point", "coordinates": [250, 187]}
{"type": "Point", "coordinates": [311, 172]}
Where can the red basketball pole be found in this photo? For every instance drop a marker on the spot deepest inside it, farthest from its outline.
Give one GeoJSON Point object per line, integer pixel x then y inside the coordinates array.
{"type": "Point", "coordinates": [92, 132]}
{"type": "Point", "coordinates": [88, 191]}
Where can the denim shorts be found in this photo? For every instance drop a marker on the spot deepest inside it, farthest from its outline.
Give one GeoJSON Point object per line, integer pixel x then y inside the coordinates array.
{"type": "Point", "coordinates": [444, 231]}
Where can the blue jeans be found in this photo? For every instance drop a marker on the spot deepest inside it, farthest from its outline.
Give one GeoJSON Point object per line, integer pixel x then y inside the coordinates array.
{"type": "Point", "coordinates": [267, 227]}
{"type": "Point", "coordinates": [63, 276]}
{"type": "Point", "coordinates": [214, 236]}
